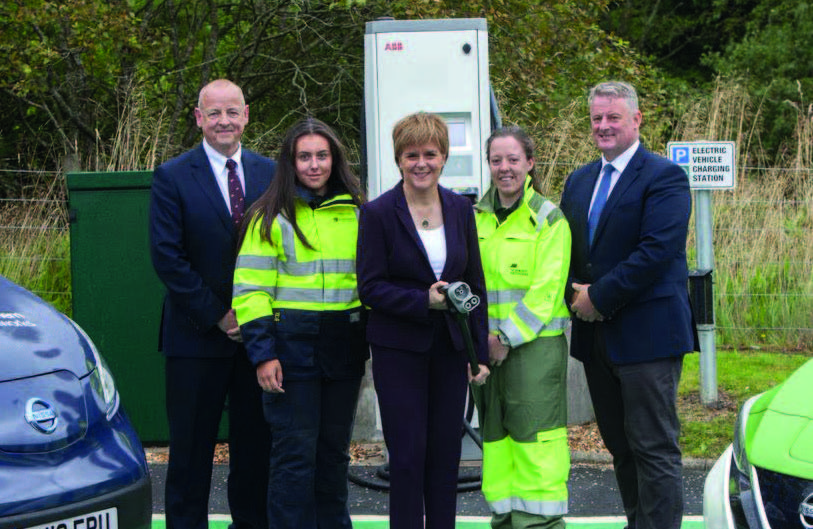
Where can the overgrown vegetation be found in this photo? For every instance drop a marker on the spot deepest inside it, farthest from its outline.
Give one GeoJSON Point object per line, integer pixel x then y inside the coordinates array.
{"type": "Point", "coordinates": [34, 244]}
{"type": "Point", "coordinates": [111, 86]}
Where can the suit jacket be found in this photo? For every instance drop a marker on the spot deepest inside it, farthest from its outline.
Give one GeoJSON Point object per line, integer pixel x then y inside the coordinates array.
{"type": "Point", "coordinates": [193, 244]}
{"type": "Point", "coordinates": [637, 264]}
{"type": "Point", "coordinates": [394, 273]}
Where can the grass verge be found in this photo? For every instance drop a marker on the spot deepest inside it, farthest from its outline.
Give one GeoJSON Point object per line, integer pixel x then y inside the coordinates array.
{"type": "Point", "coordinates": [706, 431]}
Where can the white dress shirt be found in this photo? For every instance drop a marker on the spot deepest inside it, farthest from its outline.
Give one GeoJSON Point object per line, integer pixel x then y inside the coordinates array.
{"type": "Point", "coordinates": [218, 163]}
{"type": "Point", "coordinates": [619, 164]}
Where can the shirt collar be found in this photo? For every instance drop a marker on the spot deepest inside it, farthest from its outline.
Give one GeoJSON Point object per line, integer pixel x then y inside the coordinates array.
{"type": "Point", "coordinates": [621, 161]}
{"type": "Point", "coordinates": [218, 161]}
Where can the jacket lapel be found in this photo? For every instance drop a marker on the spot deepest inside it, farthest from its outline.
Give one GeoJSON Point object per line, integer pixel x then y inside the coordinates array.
{"type": "Point", "coordinates": [626, 179]}
{"type": "Point", "coordinates": [203, 176]}
{"type": "Point", "coordinates": [402, 213]}
{"type": "Point", "coordinates": [450, 230]}
{"type": "Point", "coordinates": [251, 173]}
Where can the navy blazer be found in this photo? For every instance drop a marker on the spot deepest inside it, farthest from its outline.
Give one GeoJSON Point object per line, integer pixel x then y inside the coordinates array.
{"type": "Point", "coordinates": [193, 244]}
{"type": "Point", "coordinates": [394, 273]}
{"type": "Point", "coordinates": [637, 263]}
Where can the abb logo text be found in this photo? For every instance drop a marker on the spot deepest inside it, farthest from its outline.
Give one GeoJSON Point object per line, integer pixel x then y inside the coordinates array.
{"type": "Point", "coordinates": [394, 46]}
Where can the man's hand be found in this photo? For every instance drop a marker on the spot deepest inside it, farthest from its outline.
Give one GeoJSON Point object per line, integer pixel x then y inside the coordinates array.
{"type": "Point", "coordinates": [497, 352]}
{"type": "Point", "coordinates": [228, 324]}
{"type": "Point", "coordinates": [269, 376]}
{"type": "Point", "coordinates": [581, 305]}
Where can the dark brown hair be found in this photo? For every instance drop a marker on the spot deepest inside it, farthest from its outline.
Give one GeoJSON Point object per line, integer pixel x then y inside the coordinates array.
{"type": "Point", "coordinates": [525, 141]}
{"type": "Point", "coordinates": [280, 196]}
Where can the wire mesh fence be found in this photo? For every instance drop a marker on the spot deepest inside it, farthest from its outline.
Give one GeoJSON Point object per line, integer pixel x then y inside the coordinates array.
{"type": "Point", "coordinates": [763, 245]}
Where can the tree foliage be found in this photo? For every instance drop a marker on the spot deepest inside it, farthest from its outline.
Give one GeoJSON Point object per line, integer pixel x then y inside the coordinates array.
{"type": "Point", "coordinates": [676, 34]}
{"type": "Point", "coordinates": [775, 55]}
{"type": "Point", "coordinates": [71, 70]}
{"type": "Point", "coordinates": [766, 43]}
{"type": "Point", "coordinates": [65, 63]}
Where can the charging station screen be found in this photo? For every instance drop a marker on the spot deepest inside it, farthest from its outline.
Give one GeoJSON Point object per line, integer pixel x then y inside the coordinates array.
{"type": "Point", "coordinates": [457, 134]}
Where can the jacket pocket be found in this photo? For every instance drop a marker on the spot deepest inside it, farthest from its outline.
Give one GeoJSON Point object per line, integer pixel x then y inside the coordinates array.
{"type": "Point", "coordinates": [343, 347]}
{"type": "Point", "coordinates": [296, 332]}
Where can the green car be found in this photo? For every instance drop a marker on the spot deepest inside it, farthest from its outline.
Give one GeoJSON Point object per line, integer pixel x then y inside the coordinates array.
{"type": "Point", "coordinates": [764, 480]}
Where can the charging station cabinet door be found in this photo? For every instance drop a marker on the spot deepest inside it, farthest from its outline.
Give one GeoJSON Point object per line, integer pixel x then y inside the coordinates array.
{"type": "Point", "coordinates": [443, 72]}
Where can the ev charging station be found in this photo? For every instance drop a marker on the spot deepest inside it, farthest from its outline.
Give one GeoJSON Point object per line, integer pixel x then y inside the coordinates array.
{"type": "Point", "coordinates": [437, 66]}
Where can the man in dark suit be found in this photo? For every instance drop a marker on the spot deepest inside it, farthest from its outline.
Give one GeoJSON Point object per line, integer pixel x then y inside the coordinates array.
{"type": "Point", "coordinates": [195, 214]}
{"type": "Point", "coordinates": [629, 214]}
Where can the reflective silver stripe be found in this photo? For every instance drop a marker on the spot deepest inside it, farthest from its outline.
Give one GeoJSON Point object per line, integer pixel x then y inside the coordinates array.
{"type": "Point", "coordinates": [494, 324]}
{"type": "Point", "coordinates": [308, 268]}
{"type": "Point", "coordinates": [241, 289]}
{"type": "Point", "coordinates": [500, 507]}
{"type": "Point", "coordinates": [498, 297]}
{"type": "Point", "coordinates": [549, 508]}
{"type": "Point", "coordinates": [256, 262]}
{"type": "Point", "coordinates": [314, 295]}
{"type": "Point", "coordinates": [544, 211]}
{"type": "Point", "coordinates": [527, 317]}
{"type": "Point", "coordinates": [339, 266]}
{"type": "Point", "coordinates": [548, 212]}
{"type": "Point", "coordinates": [512, 332]}
{"type": "Point", "coordinates": [288, 236]}
{"type": "Point", "coordinates": [556, 324]}
{"type": "Point", "coordinates": [535, 324]}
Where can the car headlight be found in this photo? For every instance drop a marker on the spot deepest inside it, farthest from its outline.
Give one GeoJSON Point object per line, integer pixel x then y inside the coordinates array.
{"type": "Point", "coordinates": [101, 379]}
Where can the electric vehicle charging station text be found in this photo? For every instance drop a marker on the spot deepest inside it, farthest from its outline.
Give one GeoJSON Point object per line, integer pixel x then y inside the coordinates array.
{"type": "Point", "coordinates": [438, 66]}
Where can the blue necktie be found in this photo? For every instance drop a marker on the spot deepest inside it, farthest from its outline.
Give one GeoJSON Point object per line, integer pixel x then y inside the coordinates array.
{"type": "Point", "coordinates": [601, 199]}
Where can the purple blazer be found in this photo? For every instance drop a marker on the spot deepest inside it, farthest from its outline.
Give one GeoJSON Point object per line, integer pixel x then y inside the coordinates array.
{"type": "Point", "coordinates": [394, 274]}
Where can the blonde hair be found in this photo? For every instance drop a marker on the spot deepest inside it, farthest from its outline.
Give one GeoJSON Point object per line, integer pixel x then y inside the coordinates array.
{"type": "Point", "coordinates": [419, 129]}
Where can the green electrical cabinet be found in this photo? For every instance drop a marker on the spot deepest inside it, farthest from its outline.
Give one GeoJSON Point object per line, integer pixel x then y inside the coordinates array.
{"type": "Point", "coordinates": [116, 295]}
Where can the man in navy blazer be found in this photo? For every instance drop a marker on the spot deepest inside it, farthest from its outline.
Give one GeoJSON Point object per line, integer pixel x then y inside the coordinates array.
{"type": "Point", "coordinates": [194, 227]}
{"type": "Point", "coordinates": [629, 214]}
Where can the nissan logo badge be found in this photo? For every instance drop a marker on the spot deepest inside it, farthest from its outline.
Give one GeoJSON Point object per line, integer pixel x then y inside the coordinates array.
{"type": "Point", "coordinates": [41, 415]}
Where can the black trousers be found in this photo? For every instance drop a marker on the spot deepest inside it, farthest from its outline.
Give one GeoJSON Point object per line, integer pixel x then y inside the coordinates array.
{"type": "Point", "coordinates": [422, 398]}
{"type": "Point", "coordinates": [636, 413]}
{"type": "Point", "coordinates": [197, 389]}
{"type": "Point", "coordinates": [312, 425]}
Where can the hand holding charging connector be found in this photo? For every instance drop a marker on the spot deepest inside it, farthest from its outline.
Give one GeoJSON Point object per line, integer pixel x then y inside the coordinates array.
{"type": "Point", "coordinates": [461, 300]}
{"type": "Point", "coordinates": [460, 297]}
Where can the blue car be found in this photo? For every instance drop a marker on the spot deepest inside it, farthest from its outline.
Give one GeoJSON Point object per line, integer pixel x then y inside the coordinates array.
{"type": "Point", "coordinates": [69, 457]}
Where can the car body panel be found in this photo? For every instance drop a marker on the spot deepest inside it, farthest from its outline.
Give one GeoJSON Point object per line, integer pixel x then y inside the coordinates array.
{"type": "Point", "coordinates": [780, 427]}
{"type": "Point", "coordinates": [764, 480]}
{"type": "Point", "coordinates": [36, 338]}
{"type": "Point", "coordinates": [67, 449]}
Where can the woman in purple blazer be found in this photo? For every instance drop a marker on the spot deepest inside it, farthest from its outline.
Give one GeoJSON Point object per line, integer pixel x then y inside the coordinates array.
{"type": "Point", "coordinates": [414, 239]}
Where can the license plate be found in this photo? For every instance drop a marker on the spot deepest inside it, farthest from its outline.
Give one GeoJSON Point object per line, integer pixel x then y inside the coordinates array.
{"type": "Point", "coordinates": [106, 519]}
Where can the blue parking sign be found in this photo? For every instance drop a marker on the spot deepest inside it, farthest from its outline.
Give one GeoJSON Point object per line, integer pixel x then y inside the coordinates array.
{"type": "Point", "coordinates": [680, 154]}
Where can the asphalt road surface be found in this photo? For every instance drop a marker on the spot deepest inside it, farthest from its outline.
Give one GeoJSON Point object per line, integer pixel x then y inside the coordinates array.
{"type": "Point", "coordinates": [593, 491]}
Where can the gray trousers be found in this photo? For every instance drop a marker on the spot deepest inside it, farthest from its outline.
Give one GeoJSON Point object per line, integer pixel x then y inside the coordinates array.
{"type": "Point", "coordinates": [637, 417]}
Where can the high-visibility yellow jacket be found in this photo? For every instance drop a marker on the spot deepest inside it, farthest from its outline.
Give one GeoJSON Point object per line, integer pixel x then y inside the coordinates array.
{"type": "Point", "coordinates": [288, 296]}
{"type": "Point", "coordinates": [523, 405]}
{"type": "Point", "coordinates": [525, 261]}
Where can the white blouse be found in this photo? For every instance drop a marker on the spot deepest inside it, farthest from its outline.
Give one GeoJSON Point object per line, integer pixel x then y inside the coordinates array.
{"type": "Point", "coordinates": [434, 241]}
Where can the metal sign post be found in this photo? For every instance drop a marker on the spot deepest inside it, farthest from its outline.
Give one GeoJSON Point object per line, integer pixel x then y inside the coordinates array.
{"type": "Point", "coordinates": [708, 165]}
